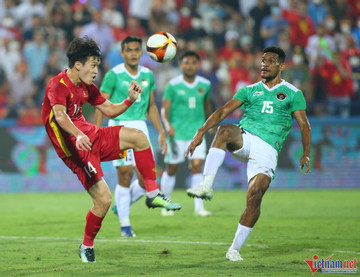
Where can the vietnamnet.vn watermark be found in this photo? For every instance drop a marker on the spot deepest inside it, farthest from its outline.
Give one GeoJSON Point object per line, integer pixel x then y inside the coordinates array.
{"type": "Point", "coordinates": [331, 266]}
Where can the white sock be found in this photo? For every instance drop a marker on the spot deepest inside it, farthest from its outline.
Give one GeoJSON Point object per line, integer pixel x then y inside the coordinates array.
{"type": "Point", "coordinates": [122, 201]}
{"type": "Point", "coordinates": [167, 184]}
{"type": "Point", "coordinates": [195, 180]}
{"type": "Point", "coordinates": [83, 247]}
{"type": "Point", "coordinates": [136, 191]}
{"type": "Point", "coordinates": [214, 160]}
{"type": "Point", "coordinates": [153, 193]}
{"type": "Point", "coordinates": [241, 235]}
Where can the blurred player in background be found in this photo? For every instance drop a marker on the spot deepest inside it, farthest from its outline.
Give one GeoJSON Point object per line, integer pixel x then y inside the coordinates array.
{"type": "Point", "coordinates": [270, 106]}
{"type": "Point", "coordinates": [114, 87]}
{"type": "Point", "coordinates": [82, 145]}
{"type": "Point", "coordinates": [185, 107]}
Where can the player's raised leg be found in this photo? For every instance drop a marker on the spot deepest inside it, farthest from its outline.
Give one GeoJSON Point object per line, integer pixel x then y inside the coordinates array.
{"type": "Point", "coordinates": [229, 137]}
{"type": "Point", "coordinates": [145, 163]}
{"type": "Point", "coordinates": [101, 197]}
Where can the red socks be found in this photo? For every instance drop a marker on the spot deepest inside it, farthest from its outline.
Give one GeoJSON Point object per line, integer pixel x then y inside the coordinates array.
{"type": "Point", "coordinates": [92, 227]}
{"type": "Point", "coordinates": [146, 165]}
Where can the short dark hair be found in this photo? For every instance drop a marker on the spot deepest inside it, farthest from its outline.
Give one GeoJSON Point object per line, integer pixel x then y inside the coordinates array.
{"type": "Point", "coordinates": [189, 53]}
{"type": "Point", "coordinates": [130, 39]}
{"type": "Point", "coordinates": [276, 50]}
{"type": "Point", "coordinates": [81, 49]}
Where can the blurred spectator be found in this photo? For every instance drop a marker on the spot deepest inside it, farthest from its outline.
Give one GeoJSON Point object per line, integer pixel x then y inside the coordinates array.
{"type": "Point", "coordinates": [356, 32]}
{"type": "Point", "coordinates": [4, 86]}
{"type": "Point", "coordinates": [99, 31]}
{"type": "Point", "coordinates": [158, 17]}
{"type": "Point", "coordinates": [10, 55]}
{"type": "Point", "coordinates": [338, 84]}
{"type": "Point", "coordinates": [61, 45]}
{"type": "Point", "coordinates": [236, 22]}
{"type": "Point", "coordinates": [272, 26]}
{"type": "Point", "coordinates": [9, 23]}
{"type": "Point", "coordinates": [36, 54]}
{"type": "Point", "coordinates": [246, 6]}
{"type": "Point", "coordinates": [257, 14]}
{"type": "Point", "coordinates": [196, 31]}
{"type": "Point", "coordinates": [301, 25]}
{"type": "Point", "coordinates": [330, 24]}
{"type": "Point", "coordinates": [21, 91]}
{"type": "Point", "coordinates": [37, 23]}
{"type": "Point", "coordinates": [284, 43]}
{"type": "Point", "coordinates": [59, 20]}
{"type": "Point", "coordinates": [133, 28]}
{"type": "Point", "coordinates": [340, 9]}
{"type": "Point", "coordinates": [231, 47]}
{"type": "Point", "coordinates": [140, 9]}
{"type": "Point", "coordinates": [237, 72]}
{"type": "Point", "coordinates": [185, 18]}
{"type": "Point", "coordinates": [7, 8]}
{"type": "Point", "coordinates": [355, 7]}
{"type": "Point", "coordinates": [207, 70]}
{"type": "Point", "coordinates": [217, 32]}
{"type": "Point", "coordinates": [298, 74]}
{"type": "Point", "coordinates": [81, 12]}
{"type": "Point", "coordinates": [320, 45]}
{"type": "Point", "coordinates": [111, 16]}
{"type": "Point", "coordinates": [345, 31]}
{"type": "Point", "coordinates": [317, 11]}
{"type": "Point", "coordinates": [27, 10]}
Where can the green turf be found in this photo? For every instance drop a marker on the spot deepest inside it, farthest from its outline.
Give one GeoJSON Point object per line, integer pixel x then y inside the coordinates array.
{"type": "Point", "coordinates": [40, 234]}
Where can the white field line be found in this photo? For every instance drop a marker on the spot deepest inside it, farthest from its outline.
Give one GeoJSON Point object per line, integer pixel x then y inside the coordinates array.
{"type": "Point", "coordinates": [135, 240]}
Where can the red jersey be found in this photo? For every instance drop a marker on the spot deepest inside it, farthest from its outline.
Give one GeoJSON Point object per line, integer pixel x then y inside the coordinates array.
{"type": "Point", "coordinates": [61, 90]}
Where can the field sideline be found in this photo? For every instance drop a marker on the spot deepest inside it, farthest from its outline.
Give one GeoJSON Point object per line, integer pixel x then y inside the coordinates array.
{"type": "Point", "coordinates": [41, 232]}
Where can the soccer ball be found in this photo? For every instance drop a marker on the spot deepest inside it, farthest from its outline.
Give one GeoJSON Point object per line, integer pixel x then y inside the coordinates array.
{"type": "Point", "coordinates": [161, 47]}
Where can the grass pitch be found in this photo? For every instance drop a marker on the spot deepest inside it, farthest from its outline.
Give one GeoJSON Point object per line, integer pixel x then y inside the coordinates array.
{"type": "Point", "coordinates": [40, 235]}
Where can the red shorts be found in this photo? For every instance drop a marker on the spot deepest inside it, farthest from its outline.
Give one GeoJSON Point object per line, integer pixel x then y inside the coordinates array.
{"type": "Point", "coordinates": [87, 164]}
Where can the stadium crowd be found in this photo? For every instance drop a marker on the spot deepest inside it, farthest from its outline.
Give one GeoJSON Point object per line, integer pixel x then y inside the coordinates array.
{"type": "Point", "coordinates": [321, 39]}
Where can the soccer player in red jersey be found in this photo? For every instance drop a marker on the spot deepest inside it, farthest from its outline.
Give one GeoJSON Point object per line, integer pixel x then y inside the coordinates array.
{"type": "Point", "coordinates": [82, 145]}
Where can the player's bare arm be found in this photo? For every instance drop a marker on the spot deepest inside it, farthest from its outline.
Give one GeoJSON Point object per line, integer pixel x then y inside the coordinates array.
{"type": "Point", "coordinates": [165, 115]}
{"type": "Point", "coordinates": [305, 129]}
{"type": "Point", "coordinates": [215, 118]}
{"type": "Point", "coordinates": [99, 117]}
{"type": "Point", "coordinates": [114, 109]}
{"type": "Point", "coordinates": [153, 113]}
{"type": "Point", "coordinates": [83, 142]}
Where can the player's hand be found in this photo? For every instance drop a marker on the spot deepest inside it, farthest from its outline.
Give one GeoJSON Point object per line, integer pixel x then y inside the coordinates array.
{"type": "Point", "coordinates": [170, 131]}
{"type": "Point", "coordinates": [163, 143]}
{"type": "Point", "coordinates": [197, 139]}
{"type": "Point", "coordinates": [134, 91]}
{"type": "Point", "coordinates": [83, 143]}
{"type": "Point", "coordinates": [305, 161]}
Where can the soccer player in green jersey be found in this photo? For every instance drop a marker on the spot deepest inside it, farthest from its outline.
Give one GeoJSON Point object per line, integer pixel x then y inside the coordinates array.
{"type": "Point", "coordinates": [270, 106]}
{"type": "Point", "coordinates": [113, 87]}
{"type": "Point", "coordinates": [185, 107]}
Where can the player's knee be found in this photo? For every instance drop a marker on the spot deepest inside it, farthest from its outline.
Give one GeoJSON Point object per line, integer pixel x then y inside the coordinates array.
{"type": "Point", "coordinates": [141, 142]}
{"type": "Point", "coordinates": [223, 133]}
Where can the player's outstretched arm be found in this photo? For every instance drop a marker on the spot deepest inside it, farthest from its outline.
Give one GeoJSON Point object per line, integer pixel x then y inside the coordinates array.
{"type": "Point", "coordinates": [305, 129]}
{"type": "Point", "coordinates": [114, 109]}
{"type": "Point", "coordinates": [215, 118]}
{"type": "Point", "coordinates": [83, 142]}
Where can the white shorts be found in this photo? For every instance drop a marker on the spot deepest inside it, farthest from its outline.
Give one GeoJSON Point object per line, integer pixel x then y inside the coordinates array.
{"type": "Point", "coordinates": [260, 156]}
{"type": "Point", "coordinates": [136, 124]}
{"type": "Point", "coordinates": [177, 150]}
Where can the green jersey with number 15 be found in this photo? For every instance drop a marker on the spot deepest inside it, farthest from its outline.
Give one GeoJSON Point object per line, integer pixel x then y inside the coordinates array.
{"type": "Point", "coordinates": [117, 81]}
{"type": "Point", "coordinates": [187, 110]}
{"type": "Point", "coordinates": [269, 112]}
